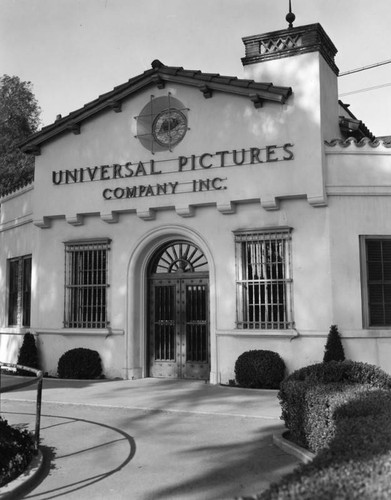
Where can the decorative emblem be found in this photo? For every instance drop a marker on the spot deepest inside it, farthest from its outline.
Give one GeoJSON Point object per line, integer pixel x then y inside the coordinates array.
{"type": "Point", "coordinates": [169, 127]}
{"type": "Point", "coordinates": [162, 123]}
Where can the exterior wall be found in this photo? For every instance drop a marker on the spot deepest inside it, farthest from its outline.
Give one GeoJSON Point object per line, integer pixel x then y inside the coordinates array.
{"type": "Point", "coordinates": [358, 180]}
{"type": "Point", "coordinates": [134, 241]}
{"type": "Point", "coordinates": [16, 239]}
{"type": "Point", "coordinates": [207, 218]}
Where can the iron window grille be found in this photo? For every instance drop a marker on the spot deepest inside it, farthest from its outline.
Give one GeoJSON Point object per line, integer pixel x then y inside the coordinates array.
{"type": "Point", "coordinates": [19, 297]}
{"type": "Point", "coordinates": [264, 284]}
{"type": "Point", "coordinates": [376, 280]}
{"type": "Point", "coordinates": [86, 284]}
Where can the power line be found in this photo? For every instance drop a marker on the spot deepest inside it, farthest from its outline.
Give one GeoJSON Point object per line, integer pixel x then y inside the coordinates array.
{"type": "Point", "coordinates": [363, 68]}
{"type": "Point", "coordinates": [367, 89]}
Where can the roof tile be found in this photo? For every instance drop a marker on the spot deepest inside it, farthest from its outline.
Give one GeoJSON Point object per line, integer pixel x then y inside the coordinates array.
{"type": "Point", "coordinates": [170, 73]}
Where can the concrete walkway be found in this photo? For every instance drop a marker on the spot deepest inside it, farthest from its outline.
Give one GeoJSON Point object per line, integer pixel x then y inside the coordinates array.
{"type": "Point", "coordinates": [152, 439]}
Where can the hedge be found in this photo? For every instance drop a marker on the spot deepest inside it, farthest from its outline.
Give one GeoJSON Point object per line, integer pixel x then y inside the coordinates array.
{"type": "Point", "coordinates": [341, 411]}
{"type": "Point", "coordinates": [356, 463]}
{"type": "Point", "coordinates": [311, 396]}
{"type": "Point", "coordinates": [16, 451]}
{"type": "Point", "coordinates": [343, 371]}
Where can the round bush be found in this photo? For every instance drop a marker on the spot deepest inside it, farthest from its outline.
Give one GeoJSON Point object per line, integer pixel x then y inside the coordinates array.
{"type": "Point", "coordinates": [80, 363]}
{"type": "Point", "coordinates": [259, 369]}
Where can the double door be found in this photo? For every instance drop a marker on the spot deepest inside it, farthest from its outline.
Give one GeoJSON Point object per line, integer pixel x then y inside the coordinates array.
{"type": "Point", "coordinates": [179, 327]}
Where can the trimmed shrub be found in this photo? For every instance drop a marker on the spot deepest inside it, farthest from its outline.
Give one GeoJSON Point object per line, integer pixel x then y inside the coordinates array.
{"type": "Point", "coordinates": [80, 363]}
{"type": "Point", "coordinates": [347, 371]}
{"type": "Point", "coordinates": [356, 464]}
{"type": "Point", "coordinates": [259, 369]}
{"type": "Point", "coordinates": [316, 410]}
{"type": "Point", "coordinates": [28, 355]}
{"type": "Point", "coordinates": [333, 349]}
{"type": "Point", "coordinates": [16, 452]}
{"type": "Point", "coordinates": [311, 398]}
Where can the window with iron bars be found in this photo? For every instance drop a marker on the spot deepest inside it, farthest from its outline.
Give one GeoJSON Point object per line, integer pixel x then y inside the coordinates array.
{"type": "Point", "coordinates": [86, 284]}
{"type": "Point", "coordinates": [264, 284]}
{"type": "Point", "coordinates": [19, 291]}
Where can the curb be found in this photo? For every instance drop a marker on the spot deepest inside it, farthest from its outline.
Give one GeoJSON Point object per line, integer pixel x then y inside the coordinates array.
{"type": "Point", "coordinates": [22, 482]}
{"type": "Point", "coordinates": [292, 448]}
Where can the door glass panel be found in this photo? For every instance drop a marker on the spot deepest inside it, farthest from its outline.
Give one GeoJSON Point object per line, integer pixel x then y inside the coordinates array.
{"type": "Point", "coordinates": [196, 324]}
{"type": "Point", "coordinates": [164, 334]}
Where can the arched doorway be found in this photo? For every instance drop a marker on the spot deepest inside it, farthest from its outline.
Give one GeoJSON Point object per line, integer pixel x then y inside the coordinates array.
{"type": "Point", "coordinates": [178, 292]}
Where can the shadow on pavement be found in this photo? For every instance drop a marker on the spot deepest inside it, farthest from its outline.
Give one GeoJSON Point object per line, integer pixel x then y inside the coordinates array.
{"type": "Point", "coordinates": [51, 457]}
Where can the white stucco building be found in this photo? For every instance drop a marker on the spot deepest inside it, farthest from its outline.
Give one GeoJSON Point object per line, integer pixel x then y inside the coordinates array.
{"type": "Point", "coordinates": [184, 218]}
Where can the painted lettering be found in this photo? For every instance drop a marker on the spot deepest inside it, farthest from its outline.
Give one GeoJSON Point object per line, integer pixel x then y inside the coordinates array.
{"type": "Point", "coordinates": [152, 169]}
{"type": "Point", "coordinates": [149, 191]}
{"type": "Point", "coordinates": [140, 169]}
{"type": "Point", "coordinates": [254, 155]}
{"type": "Point", "coordinates": [117, 174]}
{"type": "Point", "coordinates": [286, 147]}
{"type": "Point", "coordinates": [92, 172]}
{"type": "Point", "coordinates": [202, 157]}
{"type": "Point", "coordinates": [215, 182]}
{"type": "Point", "coordinates": [70, 175]}
{"type": "Point", "coordinates": [270, 151]}
{"type": "Point", "coordinates": [128, 168]}
{"type": "Point", "coordinates": [119, 193]}
{"type": "Point", "coordinates": [106, 194]}
{"type": "Point", "coordinates": [182, 161]}
{"type": "Point", "coordinates": [104, 173]}
{"type": "Point", "coordinates": [57, 177]}
{"type": "Point", "coordinates": [173, 186]}
{"type": "Point", "coordinates": [131, 192]}
{"type": "Point", "coordinates": [235, 159]}
{"type": "Point", "coordinates": [222, 157]}
{"type": "Point", "coordinates": [161, 189]}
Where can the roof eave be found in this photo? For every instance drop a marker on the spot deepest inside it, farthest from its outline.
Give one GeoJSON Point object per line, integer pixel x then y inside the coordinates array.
{"type": "Point", "coordinates": [159, 75]}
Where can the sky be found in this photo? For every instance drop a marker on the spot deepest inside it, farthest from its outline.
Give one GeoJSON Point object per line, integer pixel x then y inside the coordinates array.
{"type": "Point", "coordinates": [74, 50]}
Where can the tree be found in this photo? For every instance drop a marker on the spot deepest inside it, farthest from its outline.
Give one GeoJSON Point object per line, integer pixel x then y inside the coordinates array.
{"type": "Point", "coordinates": [333, 349]}
{"type": "Point", "coordinates": [19, 118]}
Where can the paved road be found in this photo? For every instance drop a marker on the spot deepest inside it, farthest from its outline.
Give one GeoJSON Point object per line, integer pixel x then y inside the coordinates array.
{"type": "Point", "coordinates": [111, 452]}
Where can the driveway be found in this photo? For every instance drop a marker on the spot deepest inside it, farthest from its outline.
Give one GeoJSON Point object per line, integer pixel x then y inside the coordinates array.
{"type": "Point", "coordinates": [152, 440]}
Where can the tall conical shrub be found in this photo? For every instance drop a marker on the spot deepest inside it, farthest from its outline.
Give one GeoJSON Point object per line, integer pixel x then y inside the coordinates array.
{"type": "Point", "coordinates": [333, 349]}
{"type": "Point", "coordinates": [28, 354]}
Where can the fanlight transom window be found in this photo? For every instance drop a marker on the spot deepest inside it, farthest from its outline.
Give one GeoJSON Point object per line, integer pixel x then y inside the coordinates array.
{"type": "Point", "coordinates": [179, 257]}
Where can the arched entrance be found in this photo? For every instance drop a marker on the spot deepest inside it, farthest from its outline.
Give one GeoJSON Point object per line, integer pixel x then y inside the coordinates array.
{"type": "Point", "coordinates": [178, 293]}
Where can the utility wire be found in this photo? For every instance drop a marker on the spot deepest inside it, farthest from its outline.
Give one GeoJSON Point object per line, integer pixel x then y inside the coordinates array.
{"type": "Point", "coordinates": [356, 70]}
{"type": "Point", "coordinates": [366, 89]}
{"type": "Point", "coordinates": [363, 68]}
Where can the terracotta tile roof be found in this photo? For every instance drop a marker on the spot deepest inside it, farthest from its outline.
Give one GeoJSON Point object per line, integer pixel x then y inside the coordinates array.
{"type": "Point", "coordinates": [365, 141]}
{"type": "Point", "coordinates": [158, 75]}
{"type": "Point", "coordinates": [352, 127]}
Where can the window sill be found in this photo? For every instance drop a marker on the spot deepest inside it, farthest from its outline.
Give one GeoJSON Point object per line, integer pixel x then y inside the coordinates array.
{"type": "Point", "coordinates": [371, 332]}
{"type": "Point", "coordinates": [105, 332]}
{"type": "Point", "coordinates": [245, 332]}
{"type": "Point", "coordinates": [14, 330]}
